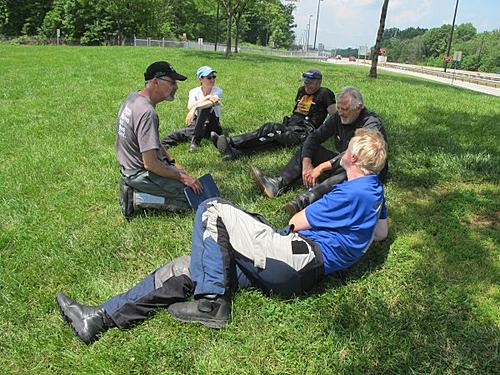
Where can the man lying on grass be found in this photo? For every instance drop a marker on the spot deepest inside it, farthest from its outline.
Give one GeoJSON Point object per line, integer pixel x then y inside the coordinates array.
{"type": "Point", "coordinates": [234, 249]}
{"type": "Point", "coordinates": [145, 165]}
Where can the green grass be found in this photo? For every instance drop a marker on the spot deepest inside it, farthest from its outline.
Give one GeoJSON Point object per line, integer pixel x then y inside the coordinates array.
{"type": "Point", "coordinates": [425, 301]}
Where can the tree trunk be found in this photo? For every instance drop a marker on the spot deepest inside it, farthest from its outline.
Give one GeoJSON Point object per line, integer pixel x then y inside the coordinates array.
{"type": "Point", "coordinates": [237, 36]}
{"type": "Point", "coordinates": [373, 69]}
{"type": "Point", "coordinates": [228, 41]}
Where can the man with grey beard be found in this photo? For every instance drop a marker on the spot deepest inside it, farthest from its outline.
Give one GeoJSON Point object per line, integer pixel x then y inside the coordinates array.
{"type": "Point", "coordinates": [319, 166]}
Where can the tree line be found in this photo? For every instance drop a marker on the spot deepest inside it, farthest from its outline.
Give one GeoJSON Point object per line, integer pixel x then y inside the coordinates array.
{"type": "Point", "coordinates": [480, 51]}
{"type": "Point", "coordinates": [98, 22]}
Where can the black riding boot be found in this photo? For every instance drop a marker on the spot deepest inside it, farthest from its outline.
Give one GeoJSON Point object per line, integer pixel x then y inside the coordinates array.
{"type": "Point", "coordinates": [299, 203]}
{"type": "Point", "coordinates": [211, 311]}
{"type": "Point", "coordinates": [303, 200]}
{"type": "Point", "coordinates": [226, 150]}
{"type": "Point", "coordinates": [87, 322]}
{"type": "Point", "coordinates": [269, 186]}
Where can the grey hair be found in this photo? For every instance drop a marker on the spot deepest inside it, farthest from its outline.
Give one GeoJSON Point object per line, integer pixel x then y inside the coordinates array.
{"type": "Point", "coordinates": [354, 94]}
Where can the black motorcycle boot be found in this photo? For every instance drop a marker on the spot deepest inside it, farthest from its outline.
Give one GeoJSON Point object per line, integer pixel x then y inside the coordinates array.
{"type": "Point", "coordinates": [211, 312]}
{"type": "Point", "coordinates": [127, 200]}
{"type": "Point", "coordinates": [227, 151]}
{"type": "Point", "coordinates": [195, 144]}
{"type": "Point", "coordinates": [299, 203]}
{"type": "Point", "coordinates": [269, 186]}
{"type": "Point", "coordinates": [86, 321]}
{"type": "Point", "coordinates": [214, 137]}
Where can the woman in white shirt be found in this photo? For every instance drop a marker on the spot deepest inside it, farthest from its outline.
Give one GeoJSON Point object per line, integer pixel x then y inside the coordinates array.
{"type": "Point", "coordinates": [204, 107]}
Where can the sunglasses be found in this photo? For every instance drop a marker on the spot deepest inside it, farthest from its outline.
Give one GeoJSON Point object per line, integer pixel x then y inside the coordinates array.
{"type": "Point", "coordinates": [167, 80]}
{"type": "Point", "coordinates": [211, 77]}
{"type": "Point", "coordinates": [309, 76]}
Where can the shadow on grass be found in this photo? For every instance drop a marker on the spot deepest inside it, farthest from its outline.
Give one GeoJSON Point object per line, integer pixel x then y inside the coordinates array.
{"type": "Point", "coordinates": [440, 148]}
{"type": "Point", "coordinates": [434, 302]}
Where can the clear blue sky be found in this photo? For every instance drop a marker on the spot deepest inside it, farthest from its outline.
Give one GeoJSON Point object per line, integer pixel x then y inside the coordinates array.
{"type": "Point", "coordinates": [352, 23]}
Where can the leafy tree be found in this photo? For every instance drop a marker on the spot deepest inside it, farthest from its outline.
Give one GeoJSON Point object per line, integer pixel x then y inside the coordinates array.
{"type": "Point", "coordinates": [98, 33]}
{"type": "Point", "coordinates": [490, 53]}
{"type": "Point", "coordinates": [4, 15]}
{"type": "Point", "coordinates": [23, 17]}
{"type": "Point", "coordinates": [465, 32]}
{"type": "Point", "coordinates": [229, 6]}
{"type": "Point", "coordinates": [126, 17]}
{"type": "Point", "coordinates": [53, 20]}
{"type": "Point", "coordinates": [395, 33]}
{"type": "Point", "coordinates": [435, 41]}
{"type": "Point", "coordinates": [240, 9]}
{"type": "Point", "coordinates": [282, 35]}
{"type": "Point", "coordinates": [270, 21]}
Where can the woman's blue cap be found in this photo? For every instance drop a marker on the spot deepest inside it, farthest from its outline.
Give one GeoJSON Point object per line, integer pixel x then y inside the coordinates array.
{"type": "Point", "coordinates": [204, 71]}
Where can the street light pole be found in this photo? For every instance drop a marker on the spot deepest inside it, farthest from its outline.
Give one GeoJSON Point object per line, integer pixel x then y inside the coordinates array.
{"type": "Point", "coordinates": [308, 32]}
{"type": "Point", "coordinates": [317, 20]}
{"type": "Point", "coordinates": [451, 36]}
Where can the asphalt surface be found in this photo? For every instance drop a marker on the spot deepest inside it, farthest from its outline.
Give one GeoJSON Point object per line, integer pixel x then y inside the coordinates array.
{"type": "Point", "coordinates": [466, 85]}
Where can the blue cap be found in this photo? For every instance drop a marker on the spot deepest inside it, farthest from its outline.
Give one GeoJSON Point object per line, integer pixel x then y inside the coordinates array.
{"type": "Point", "coordinates": [311, 74]}
{"type": "Point", "coordinates": [204, 71]}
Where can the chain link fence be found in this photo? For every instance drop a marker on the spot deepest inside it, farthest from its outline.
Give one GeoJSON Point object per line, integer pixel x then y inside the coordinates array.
{"type": "Point", "coordinates": [201, 45]}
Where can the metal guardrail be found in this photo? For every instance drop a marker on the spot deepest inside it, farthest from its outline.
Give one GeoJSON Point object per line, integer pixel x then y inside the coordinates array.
{"type": "Point", "coordinates": [478, 78]}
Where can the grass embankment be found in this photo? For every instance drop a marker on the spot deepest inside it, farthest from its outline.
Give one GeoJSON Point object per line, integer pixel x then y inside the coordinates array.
{"type": "Point", "coordinates": [424, 301]}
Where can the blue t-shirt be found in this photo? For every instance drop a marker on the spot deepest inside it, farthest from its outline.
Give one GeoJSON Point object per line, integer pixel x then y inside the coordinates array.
{"type": "Point", "coordinates": [343, 221]}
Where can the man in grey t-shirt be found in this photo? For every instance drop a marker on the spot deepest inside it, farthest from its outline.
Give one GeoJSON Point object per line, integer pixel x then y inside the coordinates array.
{"type": "Point", "coordinates": [144, 164]}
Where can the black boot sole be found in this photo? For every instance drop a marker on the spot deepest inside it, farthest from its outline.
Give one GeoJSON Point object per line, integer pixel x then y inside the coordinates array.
{"type": "Point", "coordinates": [218, 324]}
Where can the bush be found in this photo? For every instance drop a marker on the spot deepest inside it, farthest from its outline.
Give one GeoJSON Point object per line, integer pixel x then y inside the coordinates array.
{"type": "Point", "coordinates": [30, 40]}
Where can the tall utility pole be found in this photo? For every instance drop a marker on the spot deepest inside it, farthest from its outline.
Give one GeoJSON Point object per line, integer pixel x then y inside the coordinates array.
{"type": "Point", "coordinates": [451, 37]}
{"type": "Point", "coordinates": [308, 32]}
{"type": "Point", "coordinates": [317, 20]}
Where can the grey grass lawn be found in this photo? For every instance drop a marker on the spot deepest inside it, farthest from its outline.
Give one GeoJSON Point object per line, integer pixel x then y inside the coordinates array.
{"type": "Point", "coordinates": [424, 301]}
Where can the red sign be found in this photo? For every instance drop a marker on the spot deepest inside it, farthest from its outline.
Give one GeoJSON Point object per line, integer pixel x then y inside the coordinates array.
{"type": "Point", "coordinates": [383, 51]}
{"type": "Point", "coordinates": [447, 59]}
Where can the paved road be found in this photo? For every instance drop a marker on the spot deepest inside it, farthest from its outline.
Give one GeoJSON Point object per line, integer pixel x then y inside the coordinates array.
{"type": "Point", "coordinates": [471, 86]}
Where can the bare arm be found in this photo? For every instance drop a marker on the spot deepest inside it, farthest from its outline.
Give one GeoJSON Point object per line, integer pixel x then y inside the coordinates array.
{"type": "Point", "coordinates": [307, 169]}
{"type": "Point", "coordinates": [205, 102]}
{"type": "Point", "coordinates": [311, 175]}
{"type": "Point", "coordinates": [381, 230]}
{"type": "Point", "coordinates": [153, 164]}
{"type": "Point", "coordinates": [299, 221]}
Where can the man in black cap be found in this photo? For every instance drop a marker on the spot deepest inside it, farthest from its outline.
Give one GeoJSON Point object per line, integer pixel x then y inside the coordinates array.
{"type": "Point", "coordinates": [144, 164]}
{"type": "Point", "coordinates": [312, 104]}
